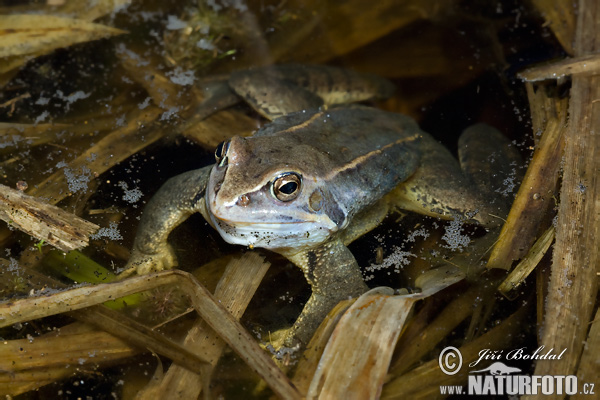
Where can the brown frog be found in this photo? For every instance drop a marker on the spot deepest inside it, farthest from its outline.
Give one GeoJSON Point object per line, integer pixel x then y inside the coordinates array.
{"type": "Point", "coordinates": [316, 178]}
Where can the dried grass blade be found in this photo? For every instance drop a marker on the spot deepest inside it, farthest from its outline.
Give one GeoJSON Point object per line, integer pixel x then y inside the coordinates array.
{"type": "Point", "coordinates": [204, 303]}
{"type": "Point", "coordinates": [235, 290]}
{"type": "Point", "coordinates": [89, 10]}
{"type": "Point", "coordinates": [450, 317]}
{"type": "Point", "coordinates": [527, 264]}
{"type": "Point", "coordinates": [560, 16]}
{"type": "Point", "coordinates": [423, 382]}
{"type": "Point", "coordinates": [116, 324]}
{"type": "Point", "coordinates": [362, 24]}
{"type": "Point", "coordinates": [355, 361]}
{"type": "Point", "coordinates": [46, 222]}
{"type": "Point", "coordinates": [29, 364]}
{"type": "Point", "coordinates": [533, 199]}
{"type": "Point", "coordinates": [308, 363]}
{"type": "Point", "coordinates": [140, 336]}
{"type": "Point", "coordinates": [573, 287]}
{"type": "Point", "coordinates": [357, 356]}
{"type": "Point", "coordinates": [106, 153]}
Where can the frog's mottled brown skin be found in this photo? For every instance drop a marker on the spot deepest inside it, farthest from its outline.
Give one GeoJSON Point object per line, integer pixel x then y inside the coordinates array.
{"type": "Point", "coordinates": [345, 161]}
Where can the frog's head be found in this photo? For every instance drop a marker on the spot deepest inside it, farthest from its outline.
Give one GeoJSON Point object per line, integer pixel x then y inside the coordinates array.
{"type": "Point", "coordinates": [267, 192]}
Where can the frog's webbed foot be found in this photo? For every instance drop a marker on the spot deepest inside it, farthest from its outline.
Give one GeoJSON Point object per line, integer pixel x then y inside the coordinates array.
{"type": "Point", "coordinates": [493, 168]}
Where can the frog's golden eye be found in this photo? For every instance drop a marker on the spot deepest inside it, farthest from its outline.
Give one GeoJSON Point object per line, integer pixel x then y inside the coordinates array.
{"type": "Point", "coordinates": [287, 186]}
{"type": "Point", "coordinates": [221, 153]}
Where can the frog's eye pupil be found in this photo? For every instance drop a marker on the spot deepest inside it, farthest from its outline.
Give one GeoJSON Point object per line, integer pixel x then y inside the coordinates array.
{"type": "Point", "coordinates": [286, 186]}
{"type": "Point", "coordinates": [221, 153]}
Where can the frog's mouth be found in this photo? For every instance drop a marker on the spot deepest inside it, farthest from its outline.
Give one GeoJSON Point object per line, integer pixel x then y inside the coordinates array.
{"type": "Point", "coordinates": [271, 235]}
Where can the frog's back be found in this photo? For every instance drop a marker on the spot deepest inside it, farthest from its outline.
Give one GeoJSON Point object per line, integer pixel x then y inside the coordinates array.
{"type": "Point", "coordinates": [366, 152]}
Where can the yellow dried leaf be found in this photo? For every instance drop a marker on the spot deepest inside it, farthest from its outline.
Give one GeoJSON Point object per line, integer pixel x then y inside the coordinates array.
{"type": "Point", "coordinates": [89, 10]}
{"type": "Point", "coordinates": [40, 34]}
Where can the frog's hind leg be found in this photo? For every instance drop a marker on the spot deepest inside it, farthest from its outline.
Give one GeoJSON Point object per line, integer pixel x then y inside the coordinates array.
{"type": "Point", "coordinates": [492, 165]}
{"type": "Point", "coordinates": [441, 188]}
{"type": "Point", "coordinates": [270, 94]}
{"type": "Point", "coordinates": [277, 90]}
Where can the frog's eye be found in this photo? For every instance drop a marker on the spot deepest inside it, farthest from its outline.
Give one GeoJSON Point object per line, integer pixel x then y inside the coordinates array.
{"type": "Point", "coordinates": [287, 186]}
{"type": "Point", "coordinates": [221, 153]}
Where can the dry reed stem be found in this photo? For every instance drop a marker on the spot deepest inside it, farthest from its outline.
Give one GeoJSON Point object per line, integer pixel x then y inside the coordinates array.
{"type": "Point", "coordinates": [584, 65]}
{"type": "Point", "coordinates": [533, 199]}
{"type": "Point", "coordinates": [527, 264]}
{"type": "Point", "coordinates": [27, 364]}
{"type": "Point", "coordinates": [573, 287]}
{"type": "Point", "coordinates": [589, 365]}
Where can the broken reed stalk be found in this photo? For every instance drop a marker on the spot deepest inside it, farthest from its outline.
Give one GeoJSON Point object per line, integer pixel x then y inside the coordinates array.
{"type": "Point", "coordinates": [45, 222]}
{"type": "Point", "coordinates": [589, 64]}
{"type": "Point", "coordinates": [527, 265]}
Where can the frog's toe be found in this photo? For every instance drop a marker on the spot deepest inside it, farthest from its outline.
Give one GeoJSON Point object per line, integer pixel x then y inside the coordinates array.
{"type": "Point", "coordinates": [277, 338]}
{"type": "Point", "coordinates": [142, 263]}
{"type": "Point", "coordinates": [283, 346]}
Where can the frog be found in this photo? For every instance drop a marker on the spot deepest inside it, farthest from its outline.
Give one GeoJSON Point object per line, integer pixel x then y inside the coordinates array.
{"type": "Point", "coordinates": [320, 174]}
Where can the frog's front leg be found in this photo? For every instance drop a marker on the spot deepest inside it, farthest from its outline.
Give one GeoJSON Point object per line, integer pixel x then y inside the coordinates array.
{"type": "Point", "coordinates": [180, 197]}
{"type": "Point", "coordinates": [334, 275]}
